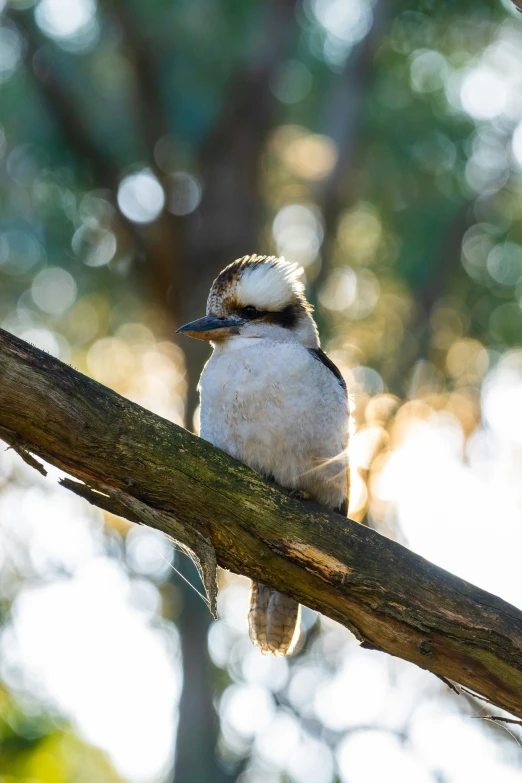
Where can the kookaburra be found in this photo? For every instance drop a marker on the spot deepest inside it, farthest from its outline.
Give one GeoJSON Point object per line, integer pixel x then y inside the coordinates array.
{"type": "Point", "coordinates": [271, 398]}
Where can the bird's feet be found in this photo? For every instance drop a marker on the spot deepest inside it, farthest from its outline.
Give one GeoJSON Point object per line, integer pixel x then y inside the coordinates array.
{"type": "Point", "coordinates": [300, 494]}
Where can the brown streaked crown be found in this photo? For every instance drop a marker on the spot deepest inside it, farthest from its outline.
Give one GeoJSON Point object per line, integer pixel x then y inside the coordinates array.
{"type": "Point", "coordinates": [267, 282]}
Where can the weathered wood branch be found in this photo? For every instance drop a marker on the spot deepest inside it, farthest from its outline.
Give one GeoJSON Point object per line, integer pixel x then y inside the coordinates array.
{"type": "Point", "coordinates": [149, 470]}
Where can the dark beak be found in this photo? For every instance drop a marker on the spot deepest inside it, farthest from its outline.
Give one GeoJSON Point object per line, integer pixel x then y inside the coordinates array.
{"type": "Point", "coordinates": [210, 327]}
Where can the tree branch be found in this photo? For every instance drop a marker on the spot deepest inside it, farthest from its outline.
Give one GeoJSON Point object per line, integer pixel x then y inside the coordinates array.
{"type": "Point", "coordinates": [388, 596]}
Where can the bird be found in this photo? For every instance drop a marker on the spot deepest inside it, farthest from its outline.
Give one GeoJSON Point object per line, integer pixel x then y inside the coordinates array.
{"type": "Point", "coordinates": [271, 398]}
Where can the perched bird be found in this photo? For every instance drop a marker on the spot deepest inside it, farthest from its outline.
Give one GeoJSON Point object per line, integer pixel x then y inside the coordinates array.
{"type": "Point", "coordinates": [271, 398]}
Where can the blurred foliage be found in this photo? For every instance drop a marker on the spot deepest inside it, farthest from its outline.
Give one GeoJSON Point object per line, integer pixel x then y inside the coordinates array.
{"type": "Point", "coordinates": [34, 746]}
{"type": "Point", "coordinates": [379, 144]}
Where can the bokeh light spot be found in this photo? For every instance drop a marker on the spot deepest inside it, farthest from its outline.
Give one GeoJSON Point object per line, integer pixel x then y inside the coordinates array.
{"type": "Point", "coordinates": [53, 290]}
{"type": "Point", "coordinates": [505, 263]}
{"type": "Point", "coordinates": [298, 232]}
{"type": "Point", "coordinates": [501, 395]}
{"type": "Point", "coordinates": [141, 197]}
{"type": "Point", "coordinates": [111, 360]}
{"type": "Point", "coordinates": [428, 71]}
{"type": "Point", "coordinates": [370, 755]}
{"type": "Point", "coordinates": [149, 553]}
{"type": "Point", "coordinates": [340, 289]}
{"type": "Point", "coordinates": [483, 93]}
{"type": "Point", "coordinates": [344, 24]}
{"type": "Point", "coordinates": [292, 82]}
{"type": "Point", "coordinates": [312, 762]}
{"type": "Point", "coordinates": [71, 22]}
{"type": "Point", "coordinates": [185, 193]}
{"type": "Point", "coordinates": [312, 156]}
{"type": "Point", "coordinates": [19, 252]}
{"type": "Point", "coordinates": [247, 708]}
{"type": "Point", "coordinates": [10, 50]}
{"type": "Point", "coordinates": [353, 293]}
{"type": "Point", "coordinates": [517, 144]}
{"type": "Point", "coordinates": [95, 246]}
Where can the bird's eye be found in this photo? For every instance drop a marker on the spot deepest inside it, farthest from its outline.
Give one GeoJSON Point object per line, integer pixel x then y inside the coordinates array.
{"type": "Point", "coordinates": [250, 311]}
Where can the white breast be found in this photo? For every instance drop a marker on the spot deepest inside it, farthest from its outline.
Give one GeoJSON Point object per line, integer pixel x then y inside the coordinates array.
{"type": "Point", "coordinates": [277, 408]}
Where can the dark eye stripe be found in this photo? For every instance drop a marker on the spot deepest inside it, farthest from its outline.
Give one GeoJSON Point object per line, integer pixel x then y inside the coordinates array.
{"type": "Point", "coordinates": [286, 318]}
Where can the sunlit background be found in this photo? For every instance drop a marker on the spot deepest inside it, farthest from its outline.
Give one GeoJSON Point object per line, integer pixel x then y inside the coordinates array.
{"type": "Point", "coordinates": [143, 146]}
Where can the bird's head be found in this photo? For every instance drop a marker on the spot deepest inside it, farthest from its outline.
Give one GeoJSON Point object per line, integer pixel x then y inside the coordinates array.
{"type": "Point", "coordinates": [257, 297]}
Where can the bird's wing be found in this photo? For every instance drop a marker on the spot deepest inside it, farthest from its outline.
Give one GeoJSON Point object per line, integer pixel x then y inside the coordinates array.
{"type": "Point", "coordinates": [320, 355]}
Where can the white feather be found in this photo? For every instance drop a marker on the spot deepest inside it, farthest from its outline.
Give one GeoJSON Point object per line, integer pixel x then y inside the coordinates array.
{"type": "Point", "coordinates": [271, 285]}
{"type": "Point", "coordinates": [278, 409]}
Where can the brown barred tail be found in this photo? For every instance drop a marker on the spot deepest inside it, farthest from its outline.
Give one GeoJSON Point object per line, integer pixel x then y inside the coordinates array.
{"type": "Point", "coordinates": [273, 621]}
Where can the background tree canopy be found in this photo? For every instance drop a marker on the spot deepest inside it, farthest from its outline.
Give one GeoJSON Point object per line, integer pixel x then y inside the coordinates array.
{"type": "Point", "coordinates": [143, 146]}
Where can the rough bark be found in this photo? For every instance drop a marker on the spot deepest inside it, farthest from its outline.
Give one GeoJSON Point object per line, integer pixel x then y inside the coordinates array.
{"type": "Point", "coordinates": [151, 471]}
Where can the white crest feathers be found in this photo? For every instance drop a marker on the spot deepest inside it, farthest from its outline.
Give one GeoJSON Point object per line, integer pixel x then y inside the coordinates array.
{"type": "Point", "coordinates": [270, 285]}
